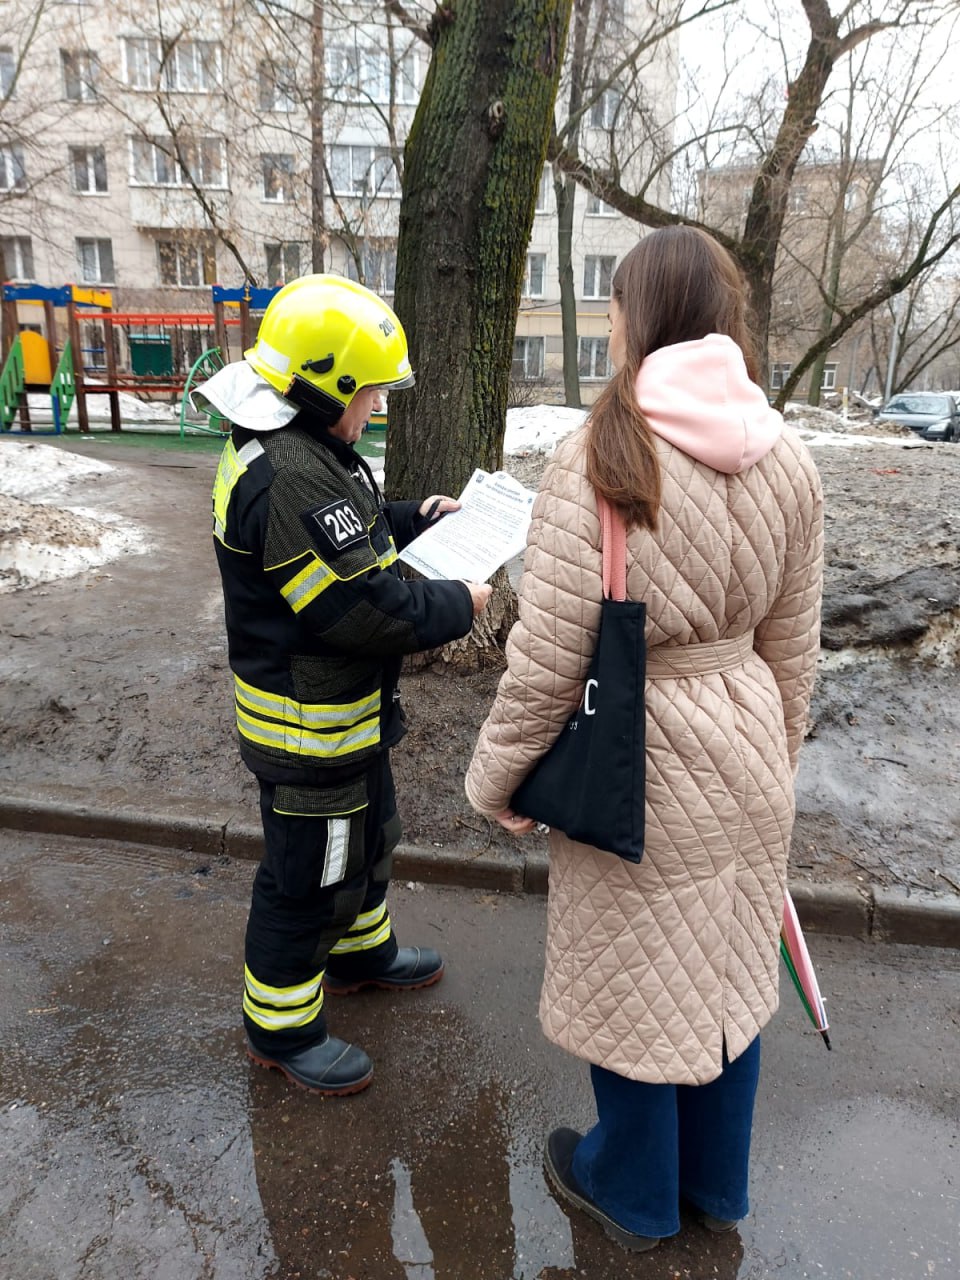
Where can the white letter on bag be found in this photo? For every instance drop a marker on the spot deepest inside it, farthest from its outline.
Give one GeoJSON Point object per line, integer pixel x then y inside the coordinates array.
{"type": "Point", "coordinates": [588, 710]}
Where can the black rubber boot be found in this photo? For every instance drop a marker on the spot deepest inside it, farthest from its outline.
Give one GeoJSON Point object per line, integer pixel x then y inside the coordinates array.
{"type": "Point", "coordinates": [412, 968]}
{"type": "Point", "coordinates": [557, 1164]}
{"type": "Point", "coordinates": [332, 1068]}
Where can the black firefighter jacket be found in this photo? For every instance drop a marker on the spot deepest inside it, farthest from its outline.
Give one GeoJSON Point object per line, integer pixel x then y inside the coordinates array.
{"type": "Point", "coordinates": [318, 617]}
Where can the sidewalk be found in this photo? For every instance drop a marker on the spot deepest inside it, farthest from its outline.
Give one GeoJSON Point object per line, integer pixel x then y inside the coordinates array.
{"type": "Point", "coordinates": [216, 830]}
{"type": "Point", "coordinates": [137, 1142]}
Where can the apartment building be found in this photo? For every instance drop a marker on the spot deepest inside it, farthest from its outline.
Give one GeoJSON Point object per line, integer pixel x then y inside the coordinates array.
{"type": "Point", "coordinates": [832, 245]}
{"type": "Point", "coordinates": [157, 150]}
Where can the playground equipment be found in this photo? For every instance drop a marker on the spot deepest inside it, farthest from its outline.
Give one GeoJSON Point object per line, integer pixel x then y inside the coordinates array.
{"type": "Point", "coordinates": [106, 351]}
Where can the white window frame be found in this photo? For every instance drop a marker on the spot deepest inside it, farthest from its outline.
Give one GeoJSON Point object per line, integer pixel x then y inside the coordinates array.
{"type": "Point", "coordinates": [8, 69]}
{"type": "Point", "coordinates": [603, 112]}
{"type": "Point", "coordinates": [362, 73]}
{"type": "Point", "coordinates": [527, 363]}
{"type": "Point", "coordinates": [283, 261]}
{"type": "Point", "coordinates": [191, 66]}
{"type": "Point", "coordinates": [192, 253]}
{"type": "Point", "coordinates": [362, 162]}
{"type": "Point", "coordinates": [80, 69]}
{"type": "Point", "coordinates": [277, 86]}
{"type": "Point", "coordinates": [91, 163]}
{"type": "Point", "coordinates": [153, 162]}
{"type": "Point", "coordinates": [95, 247]}
{"type": "Point", "coordinates": [277, 177]}
{"type": "Point", "coordinates": [779, 373]}
{"type": "Point", "coordinates": [534, 275]}
{"type": "Point", "coordinates": [593, 359]}
{"type": "Point", "coordinates": [13, 169]}
{"type": "Point", "coordinates": [379, 258]}
{"type": "Point", "coordinates": [544, 190]}
{"type": "Point", "coordinates": [593, 275]}
{"type": "Point", "coordinates": [18, 257]}
{"type": "Point", "coordinates": [829, 380]}
{"type": "Point", "coordinates": [598, 208]}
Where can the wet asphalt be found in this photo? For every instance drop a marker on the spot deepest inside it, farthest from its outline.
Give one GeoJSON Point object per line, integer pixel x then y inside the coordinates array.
{"type": "Point", "coordinates": [137, 1141]}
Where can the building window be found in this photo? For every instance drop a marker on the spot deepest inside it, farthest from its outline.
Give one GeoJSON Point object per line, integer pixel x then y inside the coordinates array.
{"type": "Point", "coordinates": [594, 358]}
{"type": "Point", "coordinates": [8, 70]}
{"type": "Point", "coordinates": [13, 173]}
{"type": "Point", "coordinates": [545, 190]}
{"type": "Point", "coordinates": [81, 71]}
{"type": "Point", "coordinates": [17, 257]}
{"type": "Point", "coordinates": [534, 275]}
{"type": "Point", "coordinates": [798, 199]}
{"type": "Point", "coordinates": [187, 262]}
{"type": "Point", "coordinates": [363, 171]}
{"type": "Point", "coordinates": [277, 174]}
{"type": "Point", "coordinates": [597, 276]}
{"type": "Point", "coordinates": [278, 91]}
{"type": "Point", "coordinates": [95, 258]}
{"type": "Point", "coordinates": [189, 66]}
{"type": "Point", "coordinates": [604, 110]}
{"type": "Point", "coordinates": [357, 74]}
{"type": "Point", "coordinates": [378, 262]}
{"type": "Point", "coordinates": [156, 162]}
{"type": "Point", "coordinates": [283, 262]}
{"type": "Point", "coordinates": [527, 363]}
{"type": "Point", "coordinates": [598, 208]}
{"type": "Point", "coordinates": [779, 373]}
{"type": "Point", "coordinates": [89, 166]}
{"type": "Point", "coordinates": [829, 382]}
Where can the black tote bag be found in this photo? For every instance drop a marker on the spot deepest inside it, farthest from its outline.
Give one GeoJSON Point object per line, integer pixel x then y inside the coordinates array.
{"type": "Point", "coordinates": [591, 783]}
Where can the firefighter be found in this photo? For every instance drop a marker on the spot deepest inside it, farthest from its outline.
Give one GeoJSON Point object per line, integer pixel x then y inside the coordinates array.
{"type": "Point", "coordinates": [318, 619]}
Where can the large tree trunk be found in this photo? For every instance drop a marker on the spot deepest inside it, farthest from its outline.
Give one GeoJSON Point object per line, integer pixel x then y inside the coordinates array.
{"type": "Point", "coordinates": [471, 173]}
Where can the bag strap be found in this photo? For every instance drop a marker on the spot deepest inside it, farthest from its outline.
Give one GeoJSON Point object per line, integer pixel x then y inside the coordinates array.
{"type": "Point", "coordinates": [613, 533]}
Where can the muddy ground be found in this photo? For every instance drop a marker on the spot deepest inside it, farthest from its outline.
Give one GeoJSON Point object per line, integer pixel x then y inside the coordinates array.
{"type": "Point", "coordinates": [115, 679]}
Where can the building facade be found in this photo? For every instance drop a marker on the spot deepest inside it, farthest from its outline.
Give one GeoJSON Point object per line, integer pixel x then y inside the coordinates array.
{"type": "Point", "coordinates": [157, 150]}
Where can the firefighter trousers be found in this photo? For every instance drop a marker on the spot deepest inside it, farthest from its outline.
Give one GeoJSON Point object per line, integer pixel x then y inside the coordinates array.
{"type": "Point", "coordinates": [319, 901]}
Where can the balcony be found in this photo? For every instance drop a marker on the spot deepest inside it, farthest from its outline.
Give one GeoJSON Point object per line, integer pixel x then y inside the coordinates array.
{"type": "Point", "coordinates": [174, 208]}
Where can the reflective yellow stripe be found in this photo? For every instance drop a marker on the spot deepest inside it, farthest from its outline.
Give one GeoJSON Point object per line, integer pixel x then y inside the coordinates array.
{"type": "Point", "coordinates": [280, 1021]}
{"type": "Point", "coordinates": [233, 464]}
{"type": "Point", "coordinates": [278, 707]}
{"type": "Point", "coordinates": [301, 742]}
{"type": "Point", "coordinates": [366, 943]}
{"type": "Point", "coordinates": [314, 578]}
{"type": "Point", "coordinates": [367, 919]}
{"type": "Point", "coordinates": [281, 995]}
{"type": "Point", "coordinates": [368, 931]}
{"type": "Point", "coordinates": [307, 584]}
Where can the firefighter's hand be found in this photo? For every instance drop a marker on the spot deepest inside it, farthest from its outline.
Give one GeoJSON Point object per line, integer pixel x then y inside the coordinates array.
{"type": "Point", "coordinates": [437, 505]}
{"type": "Point", "coordinates": [515, 823]}
{"type": "Point", "coordinates": [479, 594]}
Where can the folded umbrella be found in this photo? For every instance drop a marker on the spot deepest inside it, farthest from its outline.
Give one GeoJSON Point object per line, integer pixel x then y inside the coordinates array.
{"type": "Point", "coordinates": [793, 948]}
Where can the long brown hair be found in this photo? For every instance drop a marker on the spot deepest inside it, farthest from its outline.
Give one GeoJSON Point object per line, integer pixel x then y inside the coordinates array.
{"type": "Point", "coordinates": [678, 284]}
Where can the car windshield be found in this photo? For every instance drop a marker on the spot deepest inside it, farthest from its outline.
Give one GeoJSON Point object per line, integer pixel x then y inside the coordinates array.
{"type": "Point", "coordinates": [919, 404]}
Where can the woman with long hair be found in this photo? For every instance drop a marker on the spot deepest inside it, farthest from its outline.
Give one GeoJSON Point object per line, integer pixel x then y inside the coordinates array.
{"type": "Point", "coordinates": [662, 974]}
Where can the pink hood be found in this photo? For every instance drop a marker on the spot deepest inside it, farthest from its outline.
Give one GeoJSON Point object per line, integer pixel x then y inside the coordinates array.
{"type": "Point", "coordinates": [699, 397]}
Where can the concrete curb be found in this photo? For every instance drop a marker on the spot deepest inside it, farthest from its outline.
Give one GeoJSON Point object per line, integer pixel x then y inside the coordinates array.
{"type": "Point", "coordinates": [912, 916]}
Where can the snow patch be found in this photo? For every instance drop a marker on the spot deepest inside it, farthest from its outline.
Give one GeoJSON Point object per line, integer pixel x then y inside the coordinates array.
{"type": "Point", "coordinates": [41, 539]}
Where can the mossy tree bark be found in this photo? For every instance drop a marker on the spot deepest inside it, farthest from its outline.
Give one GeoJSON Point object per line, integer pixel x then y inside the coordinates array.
{"type": "Point", "coordinates": [471, 173]}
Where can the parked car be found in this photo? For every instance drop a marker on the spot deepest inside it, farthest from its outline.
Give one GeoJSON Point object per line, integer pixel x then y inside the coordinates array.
{"type": "Point", "coordinates": [933, 415]}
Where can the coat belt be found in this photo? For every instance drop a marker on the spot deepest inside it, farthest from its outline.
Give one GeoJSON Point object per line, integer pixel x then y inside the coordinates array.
{"type": "Point", "coordinates": [666, 661]}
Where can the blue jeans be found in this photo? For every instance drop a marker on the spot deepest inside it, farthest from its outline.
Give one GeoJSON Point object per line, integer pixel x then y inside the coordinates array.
{"type": "Point", "coordinates": [654, 1144]}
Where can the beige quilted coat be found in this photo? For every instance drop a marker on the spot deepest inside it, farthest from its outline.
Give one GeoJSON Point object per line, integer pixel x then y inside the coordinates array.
{"type": "Point", "coordinates": [650, 967]}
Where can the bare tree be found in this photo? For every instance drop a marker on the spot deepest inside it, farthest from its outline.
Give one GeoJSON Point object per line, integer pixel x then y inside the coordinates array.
{"type": "Point", "coordinates": [776, 137]}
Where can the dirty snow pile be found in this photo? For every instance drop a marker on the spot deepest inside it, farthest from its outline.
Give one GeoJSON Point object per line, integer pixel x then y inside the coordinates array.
{"type": "Point", "coordinates": [41, 538]}
{"type": "Point", "coordinates": [818, 427]}
{"type": "Point", "coordinates": [134, 412]}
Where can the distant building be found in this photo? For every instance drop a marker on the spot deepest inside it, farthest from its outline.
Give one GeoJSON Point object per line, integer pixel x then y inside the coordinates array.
{"type": "Point", "coordinates": [159, 150]}
{"type": "Point", "coordinates": [832, 243]}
